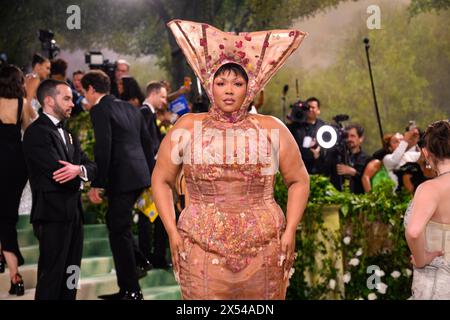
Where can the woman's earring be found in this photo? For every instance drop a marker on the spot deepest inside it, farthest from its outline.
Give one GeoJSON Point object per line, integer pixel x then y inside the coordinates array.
{"type": "Point", "coordinates": [427, 164]}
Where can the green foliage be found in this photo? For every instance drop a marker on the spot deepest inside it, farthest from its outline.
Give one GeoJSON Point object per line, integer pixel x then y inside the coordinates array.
{"type": "Point", "coordinates": [418, 6]}
{"type": "Point", "coordinates": [410, 62]}
{"type": "Point", "coordinates": [374, 225]}
{"type": "Point", "coordinates": [139, 27]}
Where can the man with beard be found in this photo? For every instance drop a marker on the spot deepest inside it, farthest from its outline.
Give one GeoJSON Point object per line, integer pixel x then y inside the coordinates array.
{"type": "Point", "coordinates": [57, 166]}
{"type": "Point", "coordinates": [357, 160]}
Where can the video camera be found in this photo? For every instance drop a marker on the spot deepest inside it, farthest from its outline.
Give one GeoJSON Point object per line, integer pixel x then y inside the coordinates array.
{"type": "Point", "coordinates": [299, 112]}
{"type": "Point", "coordinates": [48, 43]}
{"type": "Point", "coordinates": [95, 60]}
{"type": "Point", "coordinates": [335, 137]}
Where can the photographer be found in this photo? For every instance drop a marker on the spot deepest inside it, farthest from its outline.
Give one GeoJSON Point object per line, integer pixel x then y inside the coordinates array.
{"type": "Point", "coordinates": [351, 164]}
{"type": "Point", "coordinates": [404, 149]}
{"type": "Point", "coordinates": [304, 126]}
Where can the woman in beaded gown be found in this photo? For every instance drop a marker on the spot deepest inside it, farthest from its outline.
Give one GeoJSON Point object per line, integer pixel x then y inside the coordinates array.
{"type": "Point", "coordinates": [428, 220]}
{"type": "Point", "coordinates": [232, 241]}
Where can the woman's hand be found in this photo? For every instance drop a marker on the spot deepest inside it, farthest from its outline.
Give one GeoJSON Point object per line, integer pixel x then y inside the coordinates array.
{"type": "Point", "coordinates": [287, 248]}
{"type": "Point", "coordinates": [176, 250]}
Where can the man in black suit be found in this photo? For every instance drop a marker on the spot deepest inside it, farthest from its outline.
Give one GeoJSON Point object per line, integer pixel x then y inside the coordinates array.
{"type": "Point", "coordinates": [156, 98]}
{"type": "Point", "coordinates": [123, 155]}
{"type": "Point", "coordinates": [57, 166]}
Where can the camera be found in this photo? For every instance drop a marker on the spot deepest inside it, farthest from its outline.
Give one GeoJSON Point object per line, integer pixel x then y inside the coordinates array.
{"type": "Point", "coordinates": [411, 125]}
{"type": "Point", "coordinates": [95, 60]}
{"type": "Point", "coordinates": [335, 137]}
{"type": "Point", "coordinates": [48, 43]}
{"type": "Point", "coordinates": [299, 112]}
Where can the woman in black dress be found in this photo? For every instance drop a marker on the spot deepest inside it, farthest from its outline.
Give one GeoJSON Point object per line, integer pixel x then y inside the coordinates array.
{"type": "Point", "coordinates": [15, 114]}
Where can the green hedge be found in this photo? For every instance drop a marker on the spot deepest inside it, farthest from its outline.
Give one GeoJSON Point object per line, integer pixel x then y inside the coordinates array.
{"type": "Point", "coordinates": [361, 218]}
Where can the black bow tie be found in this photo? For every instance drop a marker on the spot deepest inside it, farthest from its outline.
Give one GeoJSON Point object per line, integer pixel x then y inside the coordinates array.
{"type": "Point", "coordinates": [60, 125]}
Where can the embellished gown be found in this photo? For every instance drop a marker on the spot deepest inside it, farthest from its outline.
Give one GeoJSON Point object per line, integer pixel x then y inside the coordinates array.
{"type": "Point", "coordinates": [432, 282]}
{"type": "Point", "coordinates": [232, 226]}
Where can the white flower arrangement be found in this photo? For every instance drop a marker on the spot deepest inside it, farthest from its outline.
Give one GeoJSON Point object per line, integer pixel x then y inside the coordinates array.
{"type": "Point", "coordinates": [408, 272]}
{"type": "Point", "coordinates": [372, 296]}
{"type": "Point", "coordinates": [381, 287]}
{"type": "Point", "coordinates": [347, 277]}
{"type": "Point", "coordinates": [379, 273]}
{"type": "Point", "coordinates": [347, 240]}
{"type": "Point", "coordinates": [359, 252]}
{"type": "Point", "coordinates": [332, 284]}
{"type": "Point", "coordinates": [395, 274]}
{"type": "Point", "coordinates": [354, 262]}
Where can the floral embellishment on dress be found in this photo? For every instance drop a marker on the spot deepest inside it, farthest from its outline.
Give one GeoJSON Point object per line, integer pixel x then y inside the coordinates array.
{"type": "Point", "coordinates": [241, 54]}
{"type": "Point", "coordinates": [238, 44]}
{"type": "Point", "coordinates": [203, 42]}
{"type": "Point", "coordinates": [248, 38]}
{"type": "Point", "coordinates": [221, 47]}
{"type": "Point", "coordinates": [215, 261]}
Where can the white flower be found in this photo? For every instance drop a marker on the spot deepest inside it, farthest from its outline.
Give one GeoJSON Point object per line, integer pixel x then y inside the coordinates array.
{"type": "Point", "coordinates": [354, 262]}
{"type": "Point", "coordinates": [332, 284]}
{"type": "Point", "coordinates": [379, 273]}
{"type": "Point", "coordinates": [359, 252]}
{"type": "Point", "coordinates": [395, 274]}
{"type": "Point", "coordinates": [372, 296]}
{"type": "Point", "coordinates": [346, 240]}
{"type": "Point", "coordinates": [135, 218]}
{"type": "Point", "coordinates": [381, 287]}
{"type": "Point", "coordinates": [360, 298]}
{"type": "Point", "coordinates": [347, 277]}
{"type": "Point", "coordinates": [408, 272]}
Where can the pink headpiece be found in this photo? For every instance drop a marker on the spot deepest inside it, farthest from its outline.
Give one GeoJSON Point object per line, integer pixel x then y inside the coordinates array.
{"type": "Point", "coordinates": [260, 53]}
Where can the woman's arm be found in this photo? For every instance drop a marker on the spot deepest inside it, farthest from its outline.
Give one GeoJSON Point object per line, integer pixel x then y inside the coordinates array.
{"type": "Point", "coordinates": [29, 114]}
{"type": "Point", "coordinates": [371, 169]}
{"type": "Point", "coordinates": [296, 179]}
{"type": "Point", "coordinates": [423, 207]}
{"type": "Point", "coordinates": [392, 160]}
{"type": "Point", "coordinates": [163, 181]}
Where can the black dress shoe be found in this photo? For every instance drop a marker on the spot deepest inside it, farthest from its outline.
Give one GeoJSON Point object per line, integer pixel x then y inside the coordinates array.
{"type": "Point", "coordinates": [133, 295]}
{"type": "Point", "coordinates": [115, 296]}
{"type": "Point", "coordinates": [17, 288]}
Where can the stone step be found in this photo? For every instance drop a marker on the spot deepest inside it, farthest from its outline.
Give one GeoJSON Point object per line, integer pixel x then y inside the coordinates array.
{"type": "Point", "coordinates": [91, 247]}
{"type": "Point", "coordinates": [97, 278]}
{"type": "Point", "coordinates": [162, 293]}
{"type": "Point", "coordinates": [26, 236]}
{"type": "Point", "coordinates": [89, 267]}
{"type": "Point", "coordinates": [155, 293]}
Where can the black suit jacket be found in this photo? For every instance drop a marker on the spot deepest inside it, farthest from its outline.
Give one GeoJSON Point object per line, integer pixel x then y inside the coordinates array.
{"type": "Point", "coordinates": [43, 148]}
{"type": "Point", "coordinates": [122, 151]}
{"type": "Point", "coordinates": [155, 134]}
